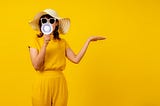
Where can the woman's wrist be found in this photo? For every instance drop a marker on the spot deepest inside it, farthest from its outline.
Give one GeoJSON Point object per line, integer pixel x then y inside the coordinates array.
{"type": "Point", "coordinates": [88, 40]}
{"type": "Point", "coordinates": [45, 44]}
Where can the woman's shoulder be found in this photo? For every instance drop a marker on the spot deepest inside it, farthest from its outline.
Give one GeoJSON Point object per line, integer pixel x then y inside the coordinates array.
{"type": "Point", "coordinates": [32, 41]}
{"type": "Point", "coordinates": [36, 38]}
{"type": "Point", "coordinates": [63, 40]}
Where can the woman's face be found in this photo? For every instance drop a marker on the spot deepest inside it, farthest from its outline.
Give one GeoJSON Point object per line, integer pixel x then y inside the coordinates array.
{"type": "Point", "coordinates": [50, 20]}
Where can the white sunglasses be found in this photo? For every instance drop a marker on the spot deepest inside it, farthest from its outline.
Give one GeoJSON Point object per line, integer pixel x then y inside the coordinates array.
{"type": "Point", "coordinates": [50, 20]}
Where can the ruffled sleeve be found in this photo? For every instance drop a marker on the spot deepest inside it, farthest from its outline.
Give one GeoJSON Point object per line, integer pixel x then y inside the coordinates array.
{"type": "Point", "coordinates": [66, 45]}
{"type": "Point", "coordinates": [33, 43]}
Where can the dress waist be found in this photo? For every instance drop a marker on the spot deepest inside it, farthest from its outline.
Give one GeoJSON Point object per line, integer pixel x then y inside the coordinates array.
{"type": "Point", "coordinates": [49, 73]}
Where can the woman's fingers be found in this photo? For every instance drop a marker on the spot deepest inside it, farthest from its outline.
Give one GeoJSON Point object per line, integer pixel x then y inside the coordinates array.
{"type": "Point", "coordinates": [47, 38]}
{"type": "Point", "coordinates": [95, 38]}
{"type": "Point", "coordinates": [100, 38]}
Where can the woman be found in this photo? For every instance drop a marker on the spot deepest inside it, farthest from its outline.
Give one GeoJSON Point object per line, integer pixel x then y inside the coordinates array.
{"type": "Point", "coordinates": [48, 53]}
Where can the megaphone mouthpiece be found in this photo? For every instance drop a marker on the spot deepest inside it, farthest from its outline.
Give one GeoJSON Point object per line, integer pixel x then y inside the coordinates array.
{"type": "Point", "coordinates": [46, 28]}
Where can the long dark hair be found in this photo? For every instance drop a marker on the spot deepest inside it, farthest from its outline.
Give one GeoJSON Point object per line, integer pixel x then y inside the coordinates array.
{"type": "Point", "coordinates": [55, 32]}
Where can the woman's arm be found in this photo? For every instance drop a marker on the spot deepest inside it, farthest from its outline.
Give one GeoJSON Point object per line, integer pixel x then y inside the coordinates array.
{"type": "Point", "coordinates": [37, 57]}
{"type": "Point", "coordinates": [77, 58]}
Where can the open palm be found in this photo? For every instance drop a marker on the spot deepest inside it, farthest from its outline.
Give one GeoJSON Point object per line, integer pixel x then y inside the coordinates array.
{"type": "Point", "coordinates": [95, 38]}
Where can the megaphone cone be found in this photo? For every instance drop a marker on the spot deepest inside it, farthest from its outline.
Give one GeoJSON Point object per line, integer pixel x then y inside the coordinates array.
{"type": "Point", "coordinates": [46, 28]}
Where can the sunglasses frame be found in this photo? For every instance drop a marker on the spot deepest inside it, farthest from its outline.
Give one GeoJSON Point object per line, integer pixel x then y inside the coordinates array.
{"type": "Point", "coordinates": [48, 20]}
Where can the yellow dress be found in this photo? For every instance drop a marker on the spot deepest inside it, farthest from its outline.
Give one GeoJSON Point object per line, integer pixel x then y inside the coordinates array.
{"type": "Point", "coordinates": [49, 87]}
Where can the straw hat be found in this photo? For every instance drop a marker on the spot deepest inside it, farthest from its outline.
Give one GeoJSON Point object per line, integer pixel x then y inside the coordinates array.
{"type": "Point", "coordinates": [64, 23]}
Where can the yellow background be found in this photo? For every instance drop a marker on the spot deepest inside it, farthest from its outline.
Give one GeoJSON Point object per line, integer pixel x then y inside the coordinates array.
{"type": "Point", "coordinates": [123, 70]}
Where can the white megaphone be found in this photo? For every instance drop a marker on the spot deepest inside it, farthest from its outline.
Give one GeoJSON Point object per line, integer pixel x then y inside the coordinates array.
{"type": "Point", "coordinates": [47, 28]}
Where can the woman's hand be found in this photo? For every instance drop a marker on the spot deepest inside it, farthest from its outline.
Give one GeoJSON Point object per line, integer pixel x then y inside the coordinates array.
{"type": "Point", "coordinates": [47, 38]}
{"type": "Point", "coordinates": [95, 38]}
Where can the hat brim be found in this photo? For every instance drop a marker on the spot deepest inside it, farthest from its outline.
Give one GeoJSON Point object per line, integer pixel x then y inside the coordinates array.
{"type": "Point", "coordinates": [35, 22]}
{"type": "Point", "coordinates": [64, 25]}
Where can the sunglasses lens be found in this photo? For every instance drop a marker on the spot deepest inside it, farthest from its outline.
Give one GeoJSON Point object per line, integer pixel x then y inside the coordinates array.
{"type": "Point", "coordinates": [52, 21]}
{"type": "Point", "coordinates": [44, 21]}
